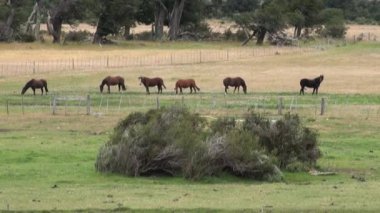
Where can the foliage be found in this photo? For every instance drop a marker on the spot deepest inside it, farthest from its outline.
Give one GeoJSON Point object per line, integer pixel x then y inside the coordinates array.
{"type": "Point", "coordinates": [77, 36]}
{"type": "Point", "coordinates": [334, 23]}
{"type": "Point", "coordinates": [286, 139]}
{"type": "Point", "coordinates": [176, 142]}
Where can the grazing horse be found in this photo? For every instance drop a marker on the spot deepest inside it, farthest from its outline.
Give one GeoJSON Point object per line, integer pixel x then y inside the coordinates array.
{"type": "Point", "coordinates": [234, 82]}
{"type": "Point", "coordinates": [312, 83]}
{"type": "Point", "coordinates": [152, 82]}
{"type": "Point", "coordinates": [185, 83]}
{"type": "Point", "coordinates": [35, 84]}
{"type": "Point", "coordinates": [112, 81]}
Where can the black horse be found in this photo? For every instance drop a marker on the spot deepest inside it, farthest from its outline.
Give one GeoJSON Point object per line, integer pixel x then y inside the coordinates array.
{"type": "Point", "coordinates": [35, 84]}
{"type": "Point", "coordinates": [152, 82]}
{"type": "Point", "coordinates": [311, 83]}
{"type": "Point", "coordinates": [234, 82]}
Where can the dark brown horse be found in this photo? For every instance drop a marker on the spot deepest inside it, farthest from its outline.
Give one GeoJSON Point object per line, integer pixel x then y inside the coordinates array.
{"type": "Point", "coordinates": [35, 84]}
{"type": "Point", "coordinates": [152, 82]}
{"type": "Point", "coordinates": [234, 82]}
{"type": "Point", "coordinates": [112, 81]}
{"type": "Point", "coordinates": [312, 83]}
{"type": "Point", "coordinates": [185, 83]}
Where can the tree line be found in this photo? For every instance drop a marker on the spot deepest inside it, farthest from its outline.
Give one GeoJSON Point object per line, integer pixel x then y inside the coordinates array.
{"type": "Point", "coordinates": [21, 19]}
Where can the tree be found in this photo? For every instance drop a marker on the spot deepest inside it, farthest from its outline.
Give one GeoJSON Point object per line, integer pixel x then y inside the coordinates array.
{"type": "Point", "coordinates": [333, 20]}
{"type": "Point", "coordinates": [14, 13]}
{"type": "Point", "coordinates": [113, 15]}
{"type": "Point", "coordinates": [34, 20]}
{"type": "Point", "coordinates": [304, 14]}
{"type": "Point", "coordinates": [269, 18]}
{"type": "Point", "coordinates": [231, 7]}
{"type": "Point", "coordinates": [67, 11]}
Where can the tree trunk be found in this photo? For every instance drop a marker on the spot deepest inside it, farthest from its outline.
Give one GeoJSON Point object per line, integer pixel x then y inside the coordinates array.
{"type": "Point", "coordinates": [260, 36]}
{"type": "Point", "coordinates": [159, 18]}
{"type": "Point", "coordinates": [97, 37]}
{"type": "Point", "coordinates": [249, 38]}
{"type": "Point", "coordinates": [6, 30]}
{"type": "Point", "coordinates": [34, 19]}
{"type": "Point", "coordinates": [299, 30]}
{"type": "Point", "coordinates": [54, 26]}
{"type": "Point", "coordinates": [127, 32]}
{"type": "Point", "coordinates": [175, 18]}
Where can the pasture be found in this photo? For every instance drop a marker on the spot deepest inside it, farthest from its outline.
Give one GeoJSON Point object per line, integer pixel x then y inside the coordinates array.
{"type": "Point", "coordinates": [47, 162]}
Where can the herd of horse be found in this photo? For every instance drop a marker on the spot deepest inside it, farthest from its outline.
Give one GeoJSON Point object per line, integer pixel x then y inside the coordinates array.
{"type": "Point", "coordinates": [236, 82]}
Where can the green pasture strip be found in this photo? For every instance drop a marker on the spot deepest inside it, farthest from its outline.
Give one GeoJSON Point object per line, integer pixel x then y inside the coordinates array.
{"type": "Point", "coordinates": [209, 104]}
{"type": "Point", "coordinates": [47, 163]}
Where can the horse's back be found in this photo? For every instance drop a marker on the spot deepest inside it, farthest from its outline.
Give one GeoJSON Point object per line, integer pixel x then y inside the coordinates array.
{"type": "Point", "coordinates": [185, 83]}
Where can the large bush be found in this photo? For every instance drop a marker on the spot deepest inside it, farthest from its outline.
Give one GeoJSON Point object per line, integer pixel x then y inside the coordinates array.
{"type": "Point", "coordinates": [176, 142]}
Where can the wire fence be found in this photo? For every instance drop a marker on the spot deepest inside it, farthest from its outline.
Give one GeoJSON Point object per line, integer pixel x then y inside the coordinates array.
{"type": "Point", "coordinates": [159, 59]}
{"type": "Point", "coordinates": [205, 104]}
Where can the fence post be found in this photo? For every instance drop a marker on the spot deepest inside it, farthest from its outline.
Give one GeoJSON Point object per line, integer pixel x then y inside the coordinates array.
{"type": "Point", "coordinates": [323, 106]}
{"type": "Point", "coordinates": [280, 105]}
{"type": "Point", "coordinates": [72, 63]}
{"type": "Point", "coordinates": [200, 56]}
{"type": "Point", "coordinates": [108, 61]}
{"type": "Point", "coordinates": [7, 107]}
{"type": "Point", "coordinates": [158, 103]}
{"type": "Point", "coordinates": [34, 67]}
{"type": "Point", "coordinates": [54, 105]}
{"type": "Point", "coordinates": [88, 105]}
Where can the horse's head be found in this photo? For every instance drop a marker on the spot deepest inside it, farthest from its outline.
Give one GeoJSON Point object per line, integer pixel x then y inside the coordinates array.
{"type": "Point", "coordinates": [140, 79]}
{"type": "Point", "coordinates": [24, 90]}
{"type": "Point", "coordinates": [101, 88]}
{"type": "Point", "coordinates": [321, 78]}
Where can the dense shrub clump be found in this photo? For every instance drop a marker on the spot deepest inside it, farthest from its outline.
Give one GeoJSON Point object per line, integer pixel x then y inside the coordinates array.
{"type": "Point", "coordinates": [176, 142]}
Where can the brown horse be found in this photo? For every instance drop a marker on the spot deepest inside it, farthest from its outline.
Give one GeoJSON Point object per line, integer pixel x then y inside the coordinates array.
{"type": "Point", "coordinates": [234, 82]}
{"type": "Point", "coordinates": [35, 84]}
{"type": "Point", "coordinates": [152, 82]}
{"type": "Point", "coordinates": [185, 83]}
{"type": "Point", "coordinates": [312, 83]}
{"type": "Point", "coordinates": [112, 81]}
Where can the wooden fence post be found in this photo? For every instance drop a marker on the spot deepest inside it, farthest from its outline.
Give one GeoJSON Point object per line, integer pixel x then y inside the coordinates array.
{"type": "Point", "coordinates": [280, 105]}
{"type": "Point", "coordinates": [54, 105]}
{"type": "Point", "coordinates": [88, 105]}
{"type": "Point", "coordinates": [7, 107]}
{"type": "Point", "coordinates": [323, 106]}
{"type": "Point", "coordinates": [158, 103]}
{"type": "Point", "coordinates": [34, 67]}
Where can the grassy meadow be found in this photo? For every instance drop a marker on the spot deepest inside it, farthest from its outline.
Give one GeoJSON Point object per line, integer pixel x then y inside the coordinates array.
{"type": "Point", "coordinates": [47, 162]}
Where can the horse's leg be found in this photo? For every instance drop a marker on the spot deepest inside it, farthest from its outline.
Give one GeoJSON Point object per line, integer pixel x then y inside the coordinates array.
{"type": "Point", "coordinates": [225, 89]}
{"type": "Point", "coordinates": [238, 89]}
{"type": "Point", "coordinates": [235, 90]}
{"type": "Point", "coordinates": [42, 90]}
{"type": "Point", "coordinates": [147, 90]}
{"type": "Point", "coordinates": [109, 90]}
{"type": "Point", "coordinates": [180, 90]}
{"type": "Point", "coordinates": [191, 89]}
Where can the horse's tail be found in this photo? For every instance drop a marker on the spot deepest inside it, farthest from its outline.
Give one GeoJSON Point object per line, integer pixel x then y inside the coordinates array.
{"type": "Point", "coordinates": [45, 85]}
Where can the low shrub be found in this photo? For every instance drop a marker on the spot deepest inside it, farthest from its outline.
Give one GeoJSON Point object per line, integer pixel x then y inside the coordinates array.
{"type": "Point", "coordinates": [78, 36]}
{"type": "Point", "coordinates": [176, 142]}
